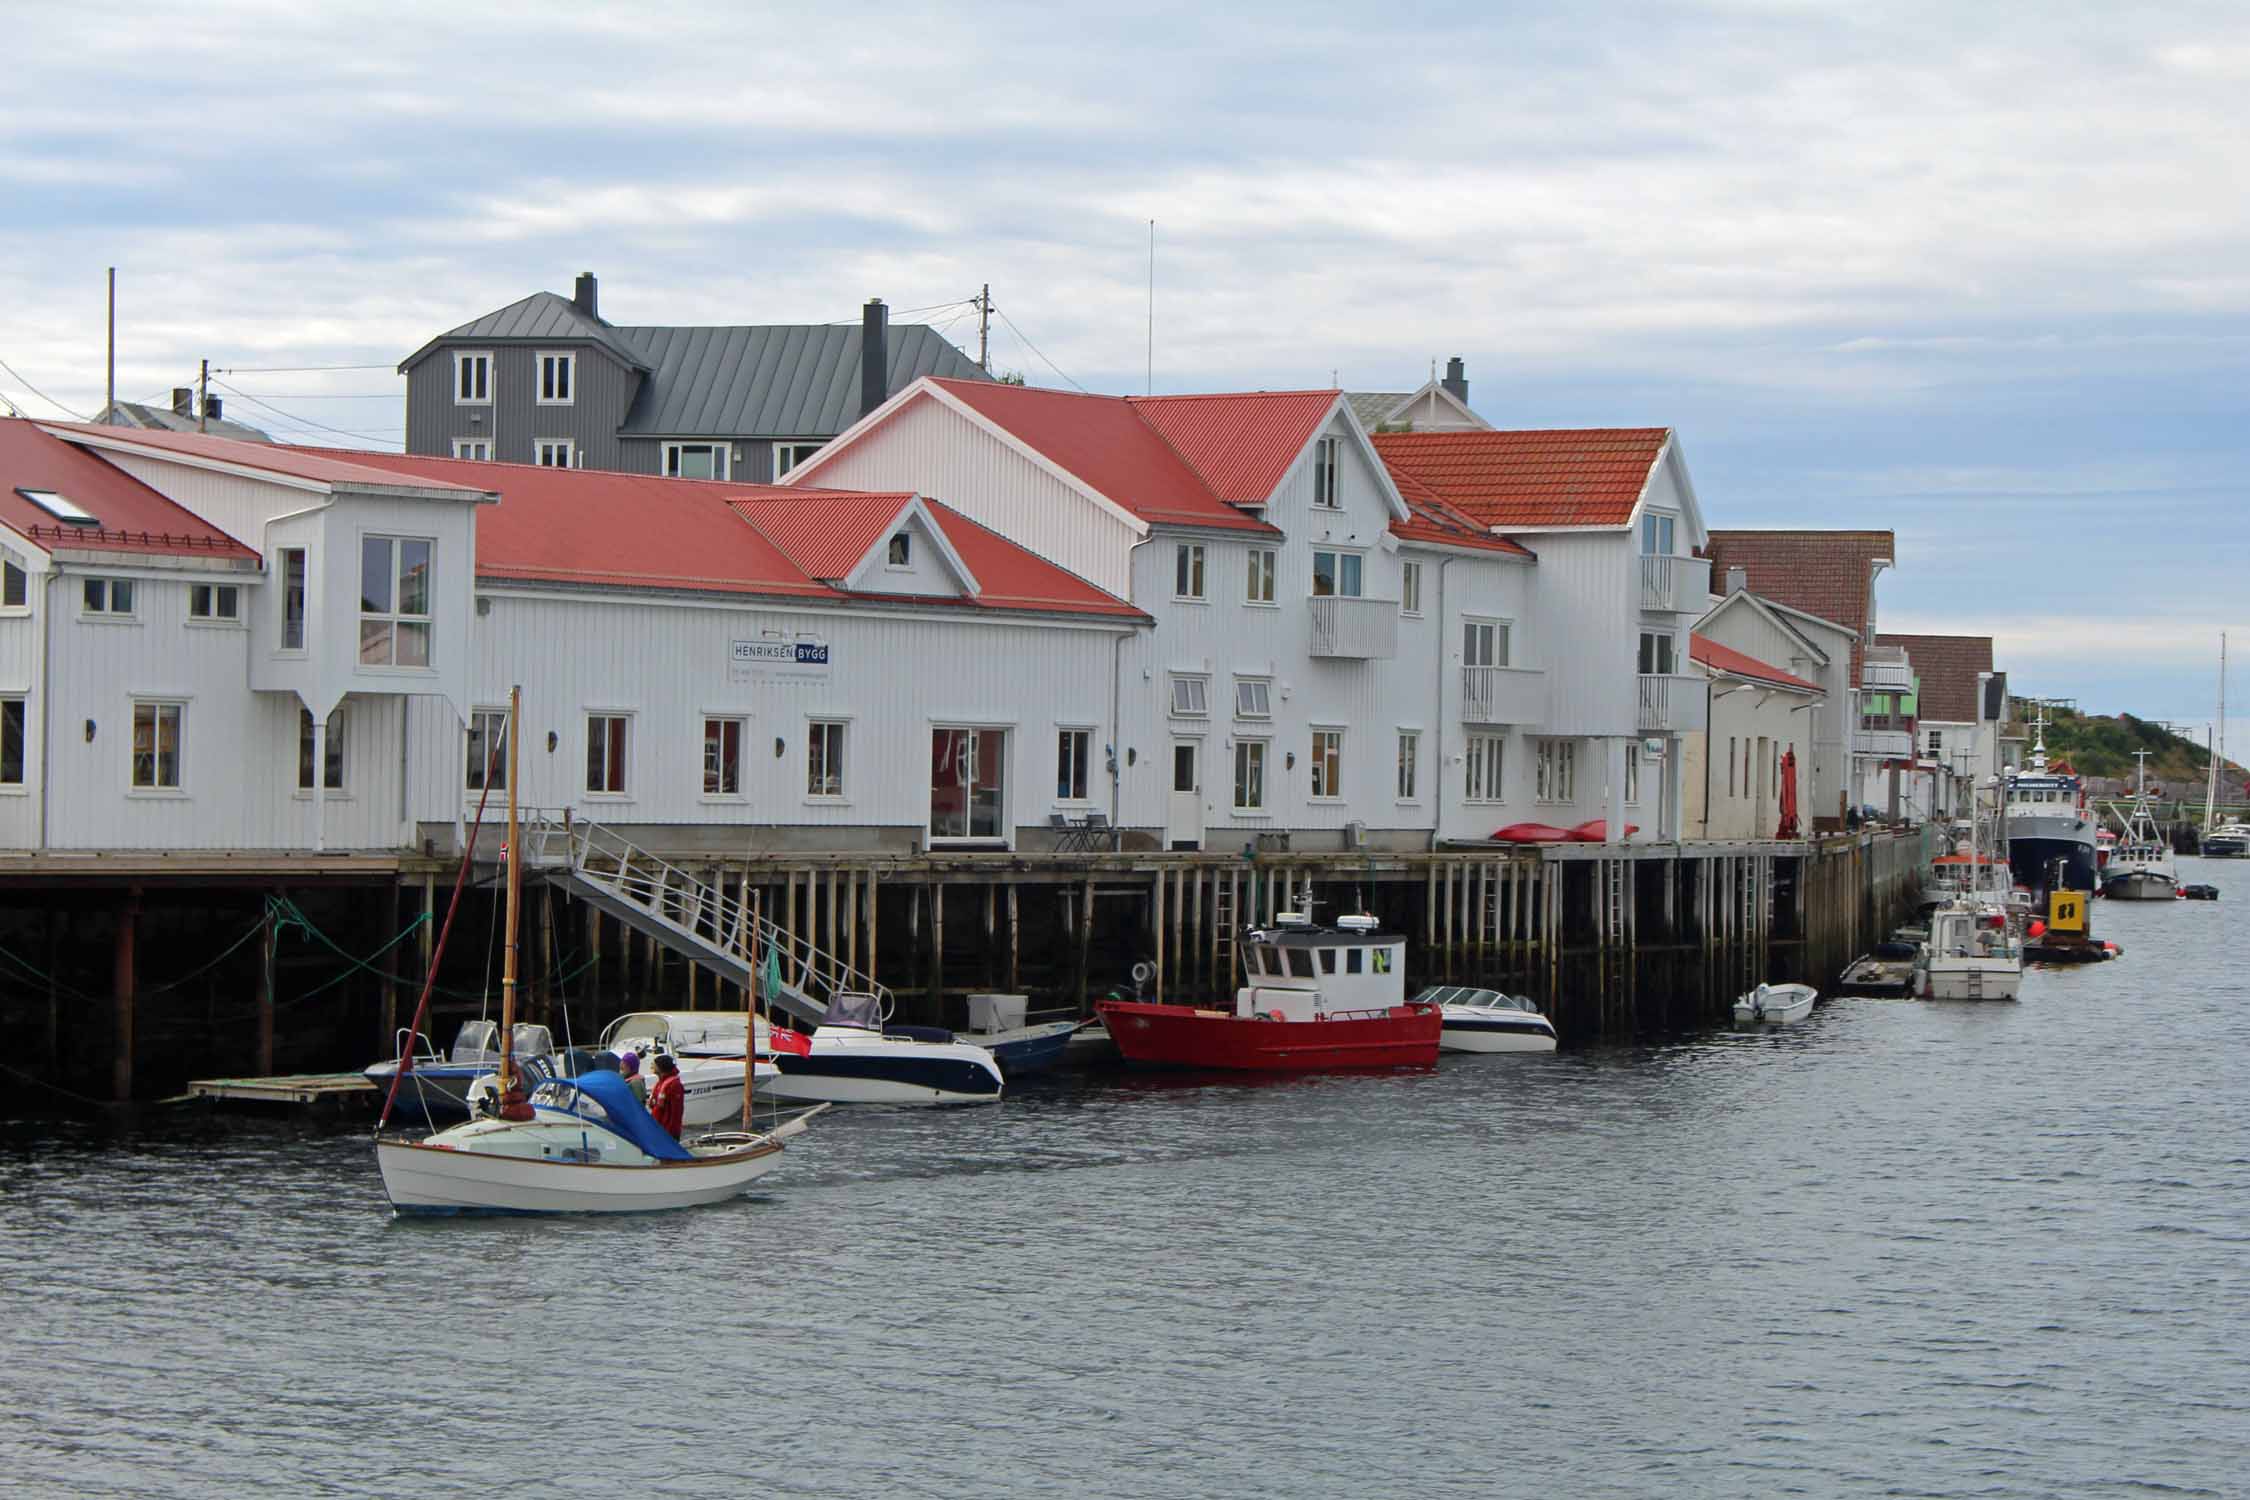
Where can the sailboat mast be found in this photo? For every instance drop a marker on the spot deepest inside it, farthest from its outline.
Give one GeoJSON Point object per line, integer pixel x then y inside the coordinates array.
{"type": "Point", "coordinates": [515, 905]}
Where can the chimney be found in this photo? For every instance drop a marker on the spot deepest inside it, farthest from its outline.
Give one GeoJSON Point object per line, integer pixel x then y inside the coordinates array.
{"type": "Point", "coordinates": [587, 297]}
{"type": "Point", "coordinates": [183, 401]}
{"type": "Point", "coordinates": [1456, 382]}
{"type": "Point", "coordinates": [1738, 579]}
{"type": "Point", "coordinates": [212, 406]}
{"type": "Point", "coordinates": [874, 355]}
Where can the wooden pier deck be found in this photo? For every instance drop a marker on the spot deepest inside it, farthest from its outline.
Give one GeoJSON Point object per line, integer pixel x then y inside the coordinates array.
{"type": "Point", "coordinates": [333, 1090]}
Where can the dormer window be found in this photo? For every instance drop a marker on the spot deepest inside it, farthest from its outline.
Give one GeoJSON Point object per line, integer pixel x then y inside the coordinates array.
{"type": "Point", "coordinates": [901, 554]}
{"type": "Point", "coordinates": [558, 379]}
{"type": "Point", "coordinates": [472, 379]}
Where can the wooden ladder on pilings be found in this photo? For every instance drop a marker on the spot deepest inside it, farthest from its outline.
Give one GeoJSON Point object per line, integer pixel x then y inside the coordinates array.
{"type": "Point", "coordinates": [1225, 953]}
{"type": "Point", "coordinates": [1615, 966]}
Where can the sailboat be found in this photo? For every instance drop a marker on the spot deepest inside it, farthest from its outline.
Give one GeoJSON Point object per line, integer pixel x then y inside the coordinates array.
{"type": "Point", "coordinates": [575, 1145]}
{"type": "Point", "coordinates": [2230, 839]}
{"type": "Point", "coordinates": [2141, 867]}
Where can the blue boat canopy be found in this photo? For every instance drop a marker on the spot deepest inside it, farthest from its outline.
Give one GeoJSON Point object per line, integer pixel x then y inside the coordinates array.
{"type": "Point", "coordinates": [625, 1114]}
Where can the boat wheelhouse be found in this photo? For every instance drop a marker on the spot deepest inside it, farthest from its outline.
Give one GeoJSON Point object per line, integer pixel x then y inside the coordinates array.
{"type": "Point", "coordinates": [2048, 830]}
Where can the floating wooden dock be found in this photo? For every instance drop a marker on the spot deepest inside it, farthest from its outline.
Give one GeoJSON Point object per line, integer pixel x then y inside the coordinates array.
{"type": "Point", "coordinates": [333, 1090]}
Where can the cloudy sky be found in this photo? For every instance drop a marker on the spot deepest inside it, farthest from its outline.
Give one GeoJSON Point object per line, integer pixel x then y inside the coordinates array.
{"type": "Point", "coordinates": [1980, 274]}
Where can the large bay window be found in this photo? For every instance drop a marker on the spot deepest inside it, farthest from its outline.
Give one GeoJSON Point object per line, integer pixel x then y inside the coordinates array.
{"type": "Point", "coordinates": [394, 601]}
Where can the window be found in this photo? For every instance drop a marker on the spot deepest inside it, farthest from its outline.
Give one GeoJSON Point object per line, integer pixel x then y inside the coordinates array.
{"type": "Point", "coordinates": [1253, 698]}
{"type": "Point", "coordinates": [488, 750]}
{"type": "Point", "coordinates": [1487, 761]}
{"type": "Point", "coordinates": [1656, 653]}
{"type": "Point", "coordinates": [1262, 567]}
{"type": "Point", "coordinates": [109, 596]}
{"type": "Point", "coordinates": [1937, 741]}
{"type": "Point", "coordinates": [605, 753]}
{"type": "Point", "coordinates": [1191, 697]}
{"type": "Point", "coordinates": [1071, 747]}
{"type": "Point", "coordinates": [558, 378]}
{"type": "Point", "coordinates": [69, 512]}
{"type": "Point", "coordinates": [332, 751]}
{"type": "Point", "coordinates": [551, 453]}
{"type": "Point", "coordinates": [1632, 773]}
{"type": "Point", "coordinates": [968, 776]}
{"type": "Point", "coordinates": [11, 741]}
{"type": "Point", "coordinates": [1656, 534]}
{"type": "Point", "coordinates": [292, 569]}
{"type": "Point", "coordinates": [1484, 643]}
{"type": "Point", "coordinates": [1328, 763]}
{"type": "Point", "coordinates": [472, 379]}
{"type": "Point", "coordinates": [1336, 573]}
{"type": "Point", "coordinates": [479, 449]}
{"type": "Point", "coordinates": [1556, 771]}
{"type": "Point", "coordinates": [394, 601]}
{"type": "Point", "coordinates": [901, 552]}
{"type": "Point", "coordinates": [1187, 571]}
{"type": "Point", "coordinates": [1325, 455]}
{"type": "Point", "coordinates": [695, 460]}
{"type": "Point", "coordinates": [1410, 588]}
{"type": "Point", "coordinates": [15, 587]}
{"type": "Point", "coordinates": [722, 757]}
{"type": "Point", "coordinates": [1249, 776]}
{"type": "Point", "coordinates": [1409, 763]}
{"type": "Point", "coordinates": [1730, 765]}
{"type": "Point", "coordinates": [824, 759]}
{"type": "Point", "coordinates": [787, 456]}
{"type": "Point", "coordinates": [156, 746]}
{"type": "Point", "coordinates": [214, 601]}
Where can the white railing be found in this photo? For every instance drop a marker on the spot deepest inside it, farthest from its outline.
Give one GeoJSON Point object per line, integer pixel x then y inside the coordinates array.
{"type": "Point", "coordinates": [686, 904]}
{"type": "Point", "coordinates": [1503, 695]}
{"type": "Point", "coordinates": [1359, 629]}
{"type": "Point", "coordinates": [1681, 584]}
{"type": "Point", "coordinates": [1671, 704]}
{"type": "Point", "coordinates": [1891, 743]}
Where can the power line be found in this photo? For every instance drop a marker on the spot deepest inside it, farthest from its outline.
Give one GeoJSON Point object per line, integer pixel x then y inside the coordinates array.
{"type": "Point", "coordinates": [933, 307]}
{"type": "Point", "coordinates": [1034, 348]}
{"type": "Point", "coordinates": [293, 369]}
{"type": "Point", "coordinates": [42, 395]}
{"type": "Point", "coordinates": [305, 422]}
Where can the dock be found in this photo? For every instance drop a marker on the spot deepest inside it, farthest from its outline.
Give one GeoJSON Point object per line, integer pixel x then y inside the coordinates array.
{"type": "Point", "coordinates": [319, 1090]}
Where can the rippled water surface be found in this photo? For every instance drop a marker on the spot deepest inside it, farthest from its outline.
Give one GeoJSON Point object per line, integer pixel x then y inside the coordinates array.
{"type": "Point", "coordinates": [1904, 1249]}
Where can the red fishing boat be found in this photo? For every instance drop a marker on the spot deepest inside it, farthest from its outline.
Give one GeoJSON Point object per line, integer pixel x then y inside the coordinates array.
{"type": "Point", "coordinates": [1317, 998]}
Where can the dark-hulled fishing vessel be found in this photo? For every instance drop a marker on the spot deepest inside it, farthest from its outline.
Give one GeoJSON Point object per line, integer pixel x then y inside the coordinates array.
{"type": "Point", "coordinates": [2048, 827]}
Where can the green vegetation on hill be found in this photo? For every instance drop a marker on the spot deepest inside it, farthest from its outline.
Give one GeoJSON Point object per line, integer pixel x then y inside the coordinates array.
{"type": "Point", "coordinates": [2102, 745]}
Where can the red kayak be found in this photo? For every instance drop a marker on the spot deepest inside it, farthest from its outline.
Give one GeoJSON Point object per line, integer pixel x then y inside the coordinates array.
{"type": "Point", "coordinates": [1596, 831]}
{"type": "Point", "coordinates": [1531, 833]}
{"type": "Point", "coordinates": [1180, 1036]}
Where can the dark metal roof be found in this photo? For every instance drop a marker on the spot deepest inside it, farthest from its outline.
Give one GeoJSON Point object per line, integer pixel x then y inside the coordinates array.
{"type": "Point", "coordinates": [163, 419]}
{"type": "Point", "coordinates": [1374, 407]}
{"type": "Point", "coordinates": [775, 380]}
{"type": "Point", "coordinates": [541, 317]}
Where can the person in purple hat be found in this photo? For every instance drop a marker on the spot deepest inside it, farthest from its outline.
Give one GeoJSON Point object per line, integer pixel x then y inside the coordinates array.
{"type": "Point", "coordinates": [630, 1066]}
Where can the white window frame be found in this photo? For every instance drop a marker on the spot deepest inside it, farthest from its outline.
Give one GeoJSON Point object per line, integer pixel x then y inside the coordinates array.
{"type": "Point", "coordinates": [624, 767]}
{"type": "Point", "coordinates": [493, 723]}
{"type": "Point", "coordinates": [15, 579]}
{"type": "Point", "coordinates": [1410, 588]}
{"type": "Point", "coordinates": [1328, 488]}
{"type": "Point", "coordinates": [214, 617]}
{"type": "Point", "coordinates": [551, 363]}
{"type": "Point", "coordinates": [479, 449]}
{"type": "Point", "coordinates": [1249, 754]}
{"type": "Point", "coordinates": [1264, 573]}
{"type": "Point", "coordinates": [1633, 773]}
{"type": "Point", "coordinates": [741, 725]}
{"type": "Point", "coordinates": [332, 752]}
{"type": "Point", "coordinates": [797, 454]}
{"type": "Point", "coordinates": [542, 449]}
{"type": "Point", "coordinates": [397, 619]}
{"type": "Point", "coordinates": [898, 552]}
{"type": "Point", "coordinates": [1188, 582]}
{"type": "Point", "coordinates": [1485, 770]}
{"type": "Point", "coordinates": [1665, 659]}
{"type": "Point", "coordinates": [1409, 765]}
{"type": "Point", "coordinates": [1358, 560]}
{"type": "Point", "coordinates": [1191, 695]}
{"type": "Point", "coordinates": [462, 361]}
{"type": "Point", "coordinates": [105, 611]}
{"type": "Point", "coordinates": [1659, 533]}
{"type": "Point", "coordinates": [302, 557]}
{"type": "Point", "coordinates": [839, 770]}
{"type": "Point", "coordinates": [177, 786]}
{"type": "Point", "coordinates": [1082, 763]}
{"type": "Point", "coordinates": [1253, 697]}
{"type": "Point", "coordinates": [1485, 641]}
{"type": "Point", "coordinates": [1328, 738]}
{"type": "Point", "coordinates": [722, 459]}
{"type": "Point", "coordinates": [21, 703]}
{"type": "Point", "coordinates": [1556, 763]}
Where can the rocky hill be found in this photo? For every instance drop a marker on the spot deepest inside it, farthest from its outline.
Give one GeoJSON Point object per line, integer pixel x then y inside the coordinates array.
{"type": "Point", "coordinates": [2102, 745]}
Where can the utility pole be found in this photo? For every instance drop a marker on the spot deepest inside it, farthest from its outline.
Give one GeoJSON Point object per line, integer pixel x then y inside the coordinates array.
{"type": "Point", "coordinates": [984, 329]}
{"type": "Point", "coordinates": [203, 399]}
{"type": "Point", "coordinates": [109, 406]}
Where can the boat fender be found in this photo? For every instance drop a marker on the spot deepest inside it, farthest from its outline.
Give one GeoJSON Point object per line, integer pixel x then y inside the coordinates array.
{"type": "Point", "coordinates": [1271, 1015]}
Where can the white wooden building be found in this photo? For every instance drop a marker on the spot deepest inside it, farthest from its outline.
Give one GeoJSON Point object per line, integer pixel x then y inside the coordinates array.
{"type": "Point", "coordinates": [1759, 733]}
{"type": "Point", "coordinates": [1814, 650]}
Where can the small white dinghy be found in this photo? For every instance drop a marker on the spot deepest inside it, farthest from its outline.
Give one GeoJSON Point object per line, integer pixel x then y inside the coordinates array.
{"type": "Point", "coordinates": [1775, 1005]}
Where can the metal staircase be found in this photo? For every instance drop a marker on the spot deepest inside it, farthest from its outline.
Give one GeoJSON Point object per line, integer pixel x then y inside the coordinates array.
{"type": "Point", "coordinates": [700, 922]}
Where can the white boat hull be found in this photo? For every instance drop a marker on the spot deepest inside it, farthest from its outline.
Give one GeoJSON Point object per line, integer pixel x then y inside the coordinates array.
{"type": "Point", "coordinates": [426, 1179]}
{"type": "Point", "coordinates": [1972, 979]}
{"type": "Point", "coordinates": [1775, 1005]}
{"type": "Point", "coordinates": [820, 1088]}
{"type": "Point", "coordinates": [2139, 885]}
{"type": "Point", "coordinates": [1484, 1036]}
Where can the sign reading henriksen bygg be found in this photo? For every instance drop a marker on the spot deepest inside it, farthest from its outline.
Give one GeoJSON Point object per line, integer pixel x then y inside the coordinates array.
{"type": "Point", "coordinates": [778, 661]}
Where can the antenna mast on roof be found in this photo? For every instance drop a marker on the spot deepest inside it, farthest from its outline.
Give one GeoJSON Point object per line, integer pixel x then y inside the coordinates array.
{"type": "Point", "coordinates": [984, 329]}
{"type": "Point", "coordinates": [109, 406]}
{"type": "Point", "coordinates": [1150, 388]}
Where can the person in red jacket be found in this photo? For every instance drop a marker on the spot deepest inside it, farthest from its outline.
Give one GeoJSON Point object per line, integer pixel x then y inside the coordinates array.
{"type": "Point", "coordinates": [668, 1099]}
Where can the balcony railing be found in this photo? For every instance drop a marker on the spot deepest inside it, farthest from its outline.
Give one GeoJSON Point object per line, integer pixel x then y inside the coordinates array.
{"type": "Point", "coordinates": [1885, 667]}
{"type": "Point", "coordinates": [1891, 744]}
{"type": "Point", "coordinates": [1354, 628]}
{"type": "Point", "coordinates": [1503, 695]}
{"type": "Point", "coordinates": [1679, 584]}
{"type": "Point", "coordinates": [1672, 703]}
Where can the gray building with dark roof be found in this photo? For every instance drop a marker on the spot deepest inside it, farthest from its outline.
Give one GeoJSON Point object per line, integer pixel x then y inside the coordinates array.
{"type": "Point", "coordinates": [548, 380]}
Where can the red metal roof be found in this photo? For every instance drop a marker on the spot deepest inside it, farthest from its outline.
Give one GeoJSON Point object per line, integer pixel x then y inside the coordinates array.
{"type": "Point", "coordinates": [1010, 577]}
{"type": "Point", "coordinates": [1827, 574]}
{"type": "Point", "coordinates": [1241, 443]}
{"type": "Point", "coordinates": [321, 465]}
{"type": "Point", "coordinates": [1582, 477]}
{"type": "Point", "coordinates": [132, 517]}
{"type": "Point", "coordinates": [1720, 658]}
{"type": "Point", "coordinates": [825, 532]}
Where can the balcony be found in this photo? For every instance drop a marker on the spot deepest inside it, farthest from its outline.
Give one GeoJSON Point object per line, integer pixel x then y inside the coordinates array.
{"type": "Point", "coordinates": [1679, 584]}
{"type": "Point", "coordinates": [1672, 703]}
{"type": "Point", "coordinates": [1503, 695]}
{"type": "Point", "coordinates": [1353, 628]}
{"type": "Point", "coordinates": [1885, 668]}
{"type": "Point", "coordinates": [1890, 744]}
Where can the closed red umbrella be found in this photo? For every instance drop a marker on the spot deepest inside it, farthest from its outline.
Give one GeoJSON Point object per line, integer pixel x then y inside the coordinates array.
{"type": "Point", "coordinates": [1788, 828]}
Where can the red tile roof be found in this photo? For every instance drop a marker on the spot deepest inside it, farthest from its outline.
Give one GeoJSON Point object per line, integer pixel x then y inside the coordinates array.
{"type": "Point", "coordinates": [321, 465]}
{"type": "Point", "coordinates": [1241, 443]}
{"type": "Point", "coordinates": [1947, 667]}
{"type": "Point", "coordinates": [825, 532]}
{"type": "Point", "coordinates": [132, 517]}
{"type": "Point", "coordinates": [1827, 574]}
{"type": "Point", "coordinates": [1721, 658]}
{"type": "Point", "coordinates": [1586, 477]}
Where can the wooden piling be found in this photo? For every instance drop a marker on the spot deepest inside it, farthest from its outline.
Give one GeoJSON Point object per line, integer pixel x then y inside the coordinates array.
{"type": "Point", "coordinates": [121, 995]}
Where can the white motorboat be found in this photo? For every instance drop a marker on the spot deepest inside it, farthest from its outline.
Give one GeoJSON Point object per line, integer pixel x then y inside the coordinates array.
{"type": "Point", "coordinates": [1972, 953]}
{"type": "Point", "coordinates": [1488, 1021]}
{"type": "Point", "coordinates": [2141, 866]}
{"type": "Point", "coordinates": [1775, 1005]}
{"type": "Point", "coordinates": [852, 1057]}
{"type": "Point", "coordinates": [707, 1045]}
